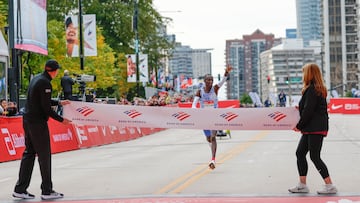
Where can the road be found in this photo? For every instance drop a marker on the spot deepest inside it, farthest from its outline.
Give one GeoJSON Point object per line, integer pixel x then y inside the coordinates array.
{"type": "Point", "coordinates": [171, 166]}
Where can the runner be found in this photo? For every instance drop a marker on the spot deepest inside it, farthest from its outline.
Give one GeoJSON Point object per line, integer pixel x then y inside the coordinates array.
{"type": "Point", "coordinates": [207, 95]}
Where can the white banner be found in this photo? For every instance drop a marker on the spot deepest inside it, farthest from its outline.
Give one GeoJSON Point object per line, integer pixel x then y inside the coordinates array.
{"type": "Point", "coordinates": [276, 118]}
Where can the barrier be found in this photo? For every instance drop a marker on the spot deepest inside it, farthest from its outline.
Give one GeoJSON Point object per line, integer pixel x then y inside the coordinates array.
{"type": "Point", "coordinates": [64, 137]}
{"type": "Point", "coordinates": [344, 105]}
{"type": "Point", "coordinates": [76, 136]}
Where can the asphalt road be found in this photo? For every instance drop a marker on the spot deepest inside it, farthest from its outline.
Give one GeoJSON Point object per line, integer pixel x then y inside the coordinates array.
{"type": "Point", "coordinates": [173, 164]}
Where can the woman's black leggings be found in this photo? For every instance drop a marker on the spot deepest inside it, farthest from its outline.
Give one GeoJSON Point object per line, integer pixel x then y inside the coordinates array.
{"type": "Point", "coordinates": [312, 143]}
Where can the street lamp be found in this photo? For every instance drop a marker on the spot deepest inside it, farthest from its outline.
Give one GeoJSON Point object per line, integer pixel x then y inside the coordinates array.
{"type": "Point", "coordinates": [135, 29]}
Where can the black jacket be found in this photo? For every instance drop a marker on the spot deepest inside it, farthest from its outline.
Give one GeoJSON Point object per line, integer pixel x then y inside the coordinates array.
{"type": "Point", "coordinates": [313, 112]}
{"type": "Point", "coordinates": [38, 102]}
{"type": "Point", "coordinates": [66, 83]}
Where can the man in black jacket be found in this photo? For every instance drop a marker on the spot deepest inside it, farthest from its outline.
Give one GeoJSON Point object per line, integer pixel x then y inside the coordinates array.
{"type": "Point", "coordinates": [66, 83]}
{"type": "Point", "coordinates": [37, 139]}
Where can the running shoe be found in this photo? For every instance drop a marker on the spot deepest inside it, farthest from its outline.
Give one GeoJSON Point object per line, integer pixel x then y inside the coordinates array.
{"type": "Point", "coordinates": [212, 164]}
{"type": "Point", "coordinates": [300, 188]}
{"type": "Point", "coordinates": [327, 189]}
{"type": "Point", "coordinates": [52, 195]}
{"type": "Point", "coordinates": [23, 195]}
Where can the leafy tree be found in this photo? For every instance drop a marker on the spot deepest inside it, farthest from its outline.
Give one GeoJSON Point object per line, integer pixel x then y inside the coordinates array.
{"type": "Point", "coordinates": [245, 99]}
{"type": "Point", "coordinates": [115, 39]}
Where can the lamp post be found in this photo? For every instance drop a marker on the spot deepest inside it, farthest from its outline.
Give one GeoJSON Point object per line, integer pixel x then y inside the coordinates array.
{"type": "Point", "coordinates": [135, 29]}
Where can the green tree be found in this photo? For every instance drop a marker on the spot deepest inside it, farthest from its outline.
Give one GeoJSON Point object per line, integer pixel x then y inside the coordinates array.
{"type": "Point", "coordinates": [245, 99]}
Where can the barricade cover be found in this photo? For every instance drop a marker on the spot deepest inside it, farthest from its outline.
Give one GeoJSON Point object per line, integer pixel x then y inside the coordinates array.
{"type": "Point", "coordinates": [344, 105]}
{"type": "Point", "coordinates": [12, 141]}
{"type": "Point", "coordinates": [64, 137]}
{"type": "Point", "coordinates": [221, 104]}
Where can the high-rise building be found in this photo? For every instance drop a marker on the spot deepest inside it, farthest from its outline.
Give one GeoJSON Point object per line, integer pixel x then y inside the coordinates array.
{"type": "Point", "coordinates": [243, 55]}
{"type": "Point", "coordinates": [185, 62]}
{"type": "Point", "coordinates": [291, 33]}
{"type": "Point", "coordinates": [309, 24]}
{"type": "Point", "coordinates": [281, 68]}
{"type": "Point", "coordinates": [341, 44]}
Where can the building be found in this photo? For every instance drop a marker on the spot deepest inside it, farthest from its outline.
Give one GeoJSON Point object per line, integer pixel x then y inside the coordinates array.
{"type": "Point", "coordinates": [341, 45]}
{"type": "Point", "coordinates": [281, 68]}
{"type": "Point", "coordinates": [185, 62]}
{"type": "Point", "coordinates": [309, 24]}
{"type": "Point", "coordinates": [243, 55]}
{"type": "Point", "coordinates": [291, 33]}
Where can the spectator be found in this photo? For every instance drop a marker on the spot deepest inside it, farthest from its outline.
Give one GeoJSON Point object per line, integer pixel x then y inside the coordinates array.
{"type": "Point", "coordinates": [282, 99]}
{"type": "Point", "coordinates": [3, 105]}
{"type": "Point", "coordinates": [267, 102]}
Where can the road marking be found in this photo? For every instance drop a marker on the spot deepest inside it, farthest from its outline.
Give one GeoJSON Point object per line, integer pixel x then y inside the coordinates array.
{"type": "Point", "coordinates": [186, 180]}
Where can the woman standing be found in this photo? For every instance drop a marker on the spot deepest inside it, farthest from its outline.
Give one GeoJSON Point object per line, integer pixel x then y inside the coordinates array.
{"type": "Point", "coordinates": [313, 125]}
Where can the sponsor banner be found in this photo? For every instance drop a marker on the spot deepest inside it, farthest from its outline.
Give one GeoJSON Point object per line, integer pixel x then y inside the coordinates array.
{"type": "Point", "coordinates": [276, 118]}
{"type": "Point", "coordinates": [221, 104]}
{"type": "Point", "coordinates": [62, 137]}
{"type": "Point", "coordinates": [344, 105]}
{"type": "Point", "coordinates": [12, 142]}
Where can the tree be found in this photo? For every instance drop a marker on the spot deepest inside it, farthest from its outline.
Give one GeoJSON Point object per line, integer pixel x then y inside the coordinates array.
{"type": "Point", "coordinates": [245, 99]}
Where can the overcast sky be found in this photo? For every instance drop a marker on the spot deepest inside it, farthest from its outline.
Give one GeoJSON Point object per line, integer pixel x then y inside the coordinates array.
{"type": "Point", "coordinates": [208, 23]}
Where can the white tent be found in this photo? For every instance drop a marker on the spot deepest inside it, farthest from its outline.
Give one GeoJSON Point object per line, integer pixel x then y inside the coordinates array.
{"type": "Point", "coordinates": [4, 64]}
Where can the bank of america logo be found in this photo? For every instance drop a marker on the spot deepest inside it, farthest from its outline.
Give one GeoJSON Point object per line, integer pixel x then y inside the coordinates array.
{"type": "Point", "coordinates": [277, 116]}
{"type": "Point", "coordinates": [85, 111]}
{"type": "Point", "coordinates": [132, 113]}
{"type": "Point", "coordinates": [229, 116]}
{"type": "Point", "coordinates": [180, 115]}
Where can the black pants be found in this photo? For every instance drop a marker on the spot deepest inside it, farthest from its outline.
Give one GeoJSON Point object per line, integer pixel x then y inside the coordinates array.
{"type": "Point", "coordinates": [310, 143]}
{"type": "Point", "coordinates": [37, 142]}
{"type": "Point", "coordinates": [68, 96]}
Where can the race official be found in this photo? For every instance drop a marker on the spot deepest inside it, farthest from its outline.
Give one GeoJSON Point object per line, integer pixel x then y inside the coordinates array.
{"type": "Point", "coordinates": [37, 139]}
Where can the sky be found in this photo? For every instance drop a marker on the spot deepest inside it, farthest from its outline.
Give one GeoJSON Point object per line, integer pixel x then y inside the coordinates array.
{"type": "Point", "coordinates": [203, 24]}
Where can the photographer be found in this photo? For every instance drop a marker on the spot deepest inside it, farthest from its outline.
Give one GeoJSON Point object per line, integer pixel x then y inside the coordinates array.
{"type": "Point", "coordinates": [66, 83]}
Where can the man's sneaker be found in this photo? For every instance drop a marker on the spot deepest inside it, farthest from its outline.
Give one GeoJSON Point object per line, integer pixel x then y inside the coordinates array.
{"type": "Point", "coordinates": [212, 164]}
{"type": "Point", "coordinates": [300, 188]}
{"type": "Point", "coordinates": [52, 195]}
{"type": "Point", "coordinates": [327, 189]}
{"type": "Point", "coordinates": [24, 195]}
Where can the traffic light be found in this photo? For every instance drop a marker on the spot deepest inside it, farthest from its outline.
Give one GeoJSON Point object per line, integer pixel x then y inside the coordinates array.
{"type": "Point", "coordinates": [218, 77]}
{"type": "Point", "coordinates": [287, 80]}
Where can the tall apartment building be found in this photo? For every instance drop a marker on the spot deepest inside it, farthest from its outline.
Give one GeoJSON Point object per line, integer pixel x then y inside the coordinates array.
{"type": "Point", "coordinates": [243, 55]}
{"type": "Point", "coordinates": [309, 24]}
{"type": "Point", "coordinates": [341, 44]}
{"type": "Point", "coordinates": [281, 68]}
{"type": "Point", "coordinates": [191, 63]}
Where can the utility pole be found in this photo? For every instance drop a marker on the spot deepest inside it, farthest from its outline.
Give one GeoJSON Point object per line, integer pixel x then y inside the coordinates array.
{"type": "Point", "coordinates": [14, 71]}
{"type": "Point", "coordinates": [81, 53]}
{"type": "Point", "coordinates": [135, 29]}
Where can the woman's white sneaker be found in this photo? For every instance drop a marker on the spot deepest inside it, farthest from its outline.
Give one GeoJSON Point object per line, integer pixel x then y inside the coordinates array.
{"type": "Point", "coordinates": [327, 189]}
{"type": "Point", "coordinates": [300, 188]}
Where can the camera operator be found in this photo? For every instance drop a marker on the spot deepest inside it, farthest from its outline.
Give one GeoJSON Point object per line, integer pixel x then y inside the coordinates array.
{"type": "Point", "coordinates": [66, 83]}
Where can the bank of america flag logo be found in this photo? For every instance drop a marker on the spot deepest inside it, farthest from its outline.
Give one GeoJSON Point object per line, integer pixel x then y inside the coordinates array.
{"type": "Point", "coordinates": [85, 110]}
{"type": "Point", "coordinates": [277, 116]}
{"type": "Point", "coordinates": [132, 113]}
{"type": "Point", "coordinates": [229, 116]}
{"type": "Point", "coordinates": [180, 115]}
